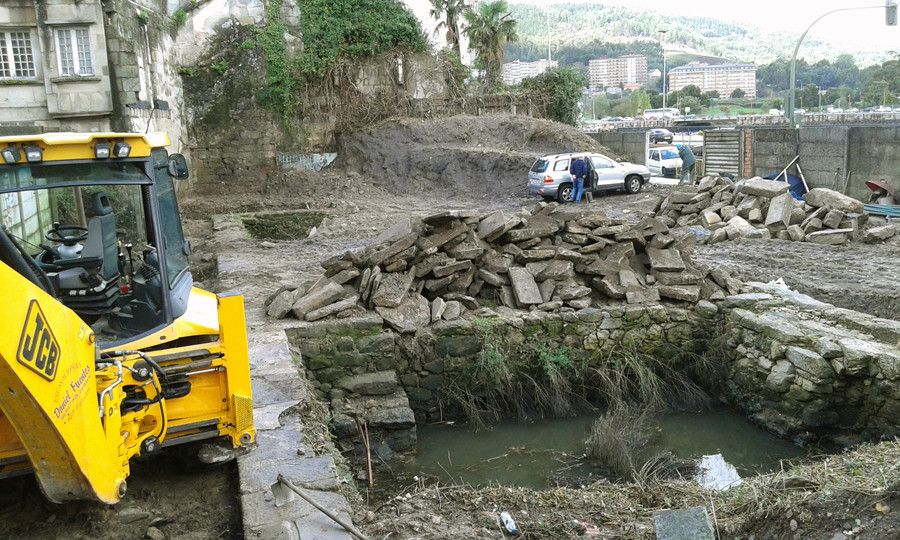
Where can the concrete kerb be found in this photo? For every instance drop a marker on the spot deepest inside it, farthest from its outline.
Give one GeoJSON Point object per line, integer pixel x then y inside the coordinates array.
{"type": "Point", "coordinates": [281, 445]}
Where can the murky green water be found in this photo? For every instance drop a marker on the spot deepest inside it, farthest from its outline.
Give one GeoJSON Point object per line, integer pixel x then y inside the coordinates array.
{"type": "Point", "coordinates": [538, 455]}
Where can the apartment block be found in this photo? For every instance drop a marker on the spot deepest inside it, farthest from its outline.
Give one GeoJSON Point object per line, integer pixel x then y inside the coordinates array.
{"type": "Point", "coordinates": [722, 78]}
{"type": "Point", "coordinates": [629, 71]}
{"type": "Point", "coordinates": [515, 72]}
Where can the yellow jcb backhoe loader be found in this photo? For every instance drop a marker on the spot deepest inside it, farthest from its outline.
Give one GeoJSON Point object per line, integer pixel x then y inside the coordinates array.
{"type": "Point", "coordinates": [107, 351]}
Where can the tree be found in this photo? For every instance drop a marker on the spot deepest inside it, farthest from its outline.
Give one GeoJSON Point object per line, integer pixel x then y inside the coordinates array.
{"type": "Point", "coordinates": [808, 96]}
{"type": "Point", "coordinates": [737, 93]}
{"type": "Point", "coordinates": [640, 102]}
{"type": "Point", "coordinates": [562, 86]}
{"type": "Point", "coordinates": [489, 29]}
{"type": "Point", "coordinates": [448, 13]}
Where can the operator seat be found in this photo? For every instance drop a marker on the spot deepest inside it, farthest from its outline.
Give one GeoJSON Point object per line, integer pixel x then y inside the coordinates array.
{"type": "Point", "coordinates": [89, 283]}
{"type": "Point", "coordinates": [101, 247]}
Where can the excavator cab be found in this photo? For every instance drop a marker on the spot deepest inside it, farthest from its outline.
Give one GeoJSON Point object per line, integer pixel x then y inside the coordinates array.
{"type": "Point", "coordinates": [109, 351]}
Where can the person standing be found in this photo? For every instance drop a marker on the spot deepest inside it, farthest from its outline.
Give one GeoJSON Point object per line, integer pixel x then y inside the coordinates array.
{"type": "Point", "coordinates": [579, 170]}
{"type": "Point", "coordinates": [688, 162]}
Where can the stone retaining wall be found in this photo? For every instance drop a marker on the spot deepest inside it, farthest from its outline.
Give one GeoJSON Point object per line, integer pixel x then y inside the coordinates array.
{"type": "Point", "coordinates": [799, 367]}
{"type": "Point", "coordinates": [810, 371]}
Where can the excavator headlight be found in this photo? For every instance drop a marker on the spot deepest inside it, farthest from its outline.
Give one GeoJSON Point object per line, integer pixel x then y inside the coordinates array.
{"type": "Point", "coordinates": [122, 149]}
{"type": "Point", "coordinates": [33, 154]}
{"type": "Point", "coordinates": [101, 150]}
{"type": "Point", "coordinates": [11, 154]}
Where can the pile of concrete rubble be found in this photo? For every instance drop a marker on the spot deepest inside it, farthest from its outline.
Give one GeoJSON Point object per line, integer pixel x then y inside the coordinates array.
{"type": "Point", "coordinates": [548, 258]}
{"type": "Point", "coordinates": [759, 208]}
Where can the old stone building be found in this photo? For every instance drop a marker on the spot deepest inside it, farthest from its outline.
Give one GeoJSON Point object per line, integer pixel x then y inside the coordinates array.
{"type": "Point", "coordinates": [87, 65]}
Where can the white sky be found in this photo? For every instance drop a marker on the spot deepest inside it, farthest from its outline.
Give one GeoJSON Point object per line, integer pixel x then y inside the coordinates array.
{"type": "Point", "coordinates": [862, 30]}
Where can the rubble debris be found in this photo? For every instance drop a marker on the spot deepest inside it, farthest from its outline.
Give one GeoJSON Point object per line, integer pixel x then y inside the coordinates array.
{"type": "Point", "coordinates": [547, 258]}
{"type": "Point", "coordinates": [760, 209]}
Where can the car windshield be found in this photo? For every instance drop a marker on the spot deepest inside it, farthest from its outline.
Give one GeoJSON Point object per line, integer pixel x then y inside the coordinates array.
{"type": "Point", "coordinates": [669, 154]}
{"type": "Point", "coordinates": [540, 166]}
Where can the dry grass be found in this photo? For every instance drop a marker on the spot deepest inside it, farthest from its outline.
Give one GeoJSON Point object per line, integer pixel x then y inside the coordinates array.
{"type": "Point", "coordinates": [624, 510]}
{"type": "Point", "coordinates": [620, 441]}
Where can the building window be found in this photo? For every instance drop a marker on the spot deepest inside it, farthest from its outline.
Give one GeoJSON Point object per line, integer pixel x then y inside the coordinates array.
{"type": "Point", "coordinates": [74, 51]}
{"type": "Point", "coordinates": [16, 55]}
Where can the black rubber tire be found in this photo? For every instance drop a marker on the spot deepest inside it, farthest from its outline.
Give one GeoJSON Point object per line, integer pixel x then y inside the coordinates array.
{"type": "Point", "coordinates": [633, 184]}
{"type": "Point", "coordinates": [564, 193]}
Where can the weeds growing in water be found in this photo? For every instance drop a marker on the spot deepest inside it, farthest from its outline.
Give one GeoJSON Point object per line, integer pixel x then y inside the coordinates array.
{"type": "Point", "coordinates": [620, 440]}
{"type": "Point", "coordinates": [535, 379]}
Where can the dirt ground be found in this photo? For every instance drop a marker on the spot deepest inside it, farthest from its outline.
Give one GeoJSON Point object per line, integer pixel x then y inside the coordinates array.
{"type": "Point", "coordinates": [168, 494]}
{"type": "Point", "coordinates": [862, 277]}
{"type": "Point", "coordinates": [483, 170]}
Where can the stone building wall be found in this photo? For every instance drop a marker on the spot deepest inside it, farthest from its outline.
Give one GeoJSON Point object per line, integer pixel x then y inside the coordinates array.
{"type": "Point", "coordinates": [134, 86]}
{"type": "Point", "coordinates": [49, 99]}
{"type": "Point", "coordinates": [146, 88]}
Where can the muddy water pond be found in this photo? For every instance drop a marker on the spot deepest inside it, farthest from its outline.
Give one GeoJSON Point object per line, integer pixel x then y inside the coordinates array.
{"type": "Point", "coordinates": [548, 452]}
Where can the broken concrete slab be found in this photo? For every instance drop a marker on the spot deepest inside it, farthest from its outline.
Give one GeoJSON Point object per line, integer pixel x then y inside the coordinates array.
{"type": "Point", "coordinates": [393, 289]}
{"type": "Point", "coordinates": [665, 259]}
{"type": "Point", "coordinates": [763, 188]}
{"type": "Point", "coordinates": [317, 298]}
{"type": "Point", "coordinates": [524, 287]}
{"type": "Point", "coordinates": [413, 313]}
{"type": "Point", "coordinates": [830, 237]}
{"type": "Point", "coordinates": [832, 200]}
{"type": "Point", "coordinates": [780, 209]}
{"type": "Point", "coordinates": [332, 309]}
{"type": "Point", "coordinates": [281, 305]}
{"type": "Point", "coordinates": [495, 225]}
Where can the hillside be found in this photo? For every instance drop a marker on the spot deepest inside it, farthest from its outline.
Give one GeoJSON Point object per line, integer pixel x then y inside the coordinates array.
{"type": "Point", "coordinates": [583, 31]}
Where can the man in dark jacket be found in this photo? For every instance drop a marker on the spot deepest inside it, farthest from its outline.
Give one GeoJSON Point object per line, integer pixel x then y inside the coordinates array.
{"type": "Point", "coordinates": [579, 171]}
{"type": "Point", "coordinates": [688, 162]}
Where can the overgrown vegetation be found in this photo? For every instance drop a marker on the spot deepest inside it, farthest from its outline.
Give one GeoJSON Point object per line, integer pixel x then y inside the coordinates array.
{"type": "Point", "coordinates": [620, 440]}
{"type": "Point", "coordinates": [562, 88]}
{"type": "Point", "coordinates": [331, 30]}
{"type": "Point", "coordinates": [178, 19]}
{"type": "Point", "coordinates": [282, 226]}
{"type": "Point", "coordinates": [535, 378]}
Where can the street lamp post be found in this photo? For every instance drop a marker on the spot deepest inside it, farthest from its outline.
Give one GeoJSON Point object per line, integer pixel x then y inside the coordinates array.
{"type": "Point", "coordinates": [662, 44]}
{"type": "Point", "coordinates": [791, 98]}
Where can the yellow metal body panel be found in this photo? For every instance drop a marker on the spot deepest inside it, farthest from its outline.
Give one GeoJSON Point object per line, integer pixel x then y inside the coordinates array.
{"type": "Point", "coordinates": [71, 146]}
{"type": "Point", "coordinates": [218, 405]}
{"type": "Point", "coordinates": [51, 381]}
{"type": "Point", "coordinates": [55, 415]}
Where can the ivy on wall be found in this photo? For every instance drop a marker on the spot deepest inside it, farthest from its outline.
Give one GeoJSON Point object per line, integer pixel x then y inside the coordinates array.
{"type": "Point", "coordinates": [331, 30]}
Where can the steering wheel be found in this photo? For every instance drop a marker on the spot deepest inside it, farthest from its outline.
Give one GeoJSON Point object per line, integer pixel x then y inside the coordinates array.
{"type": "Point", "coordinates": [68, 235]}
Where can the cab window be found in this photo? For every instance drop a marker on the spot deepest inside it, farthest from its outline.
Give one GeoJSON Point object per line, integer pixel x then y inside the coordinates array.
{"type": "Point", "coordinates": [561, 165]}
{"type": "Point", "coordinates": [169, 219]}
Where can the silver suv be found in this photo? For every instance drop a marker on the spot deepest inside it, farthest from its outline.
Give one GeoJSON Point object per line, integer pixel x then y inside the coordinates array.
{"type": "Point", "coordinates": [549, 176]}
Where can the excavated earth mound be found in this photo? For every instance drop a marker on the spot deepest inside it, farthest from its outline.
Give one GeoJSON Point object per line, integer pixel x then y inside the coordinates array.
{"type": "Point", "coordinates": [476, 155]}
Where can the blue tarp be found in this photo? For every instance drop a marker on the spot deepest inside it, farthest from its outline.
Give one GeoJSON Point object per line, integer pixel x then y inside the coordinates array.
{"type": "Point", "coordinates": [795, 184]}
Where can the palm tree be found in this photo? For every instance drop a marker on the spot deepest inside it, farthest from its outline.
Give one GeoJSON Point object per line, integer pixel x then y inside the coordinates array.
{"type": "Point", "coordinates": [489, 29]}
{"type": "Point", "coordinates": [451, 11]}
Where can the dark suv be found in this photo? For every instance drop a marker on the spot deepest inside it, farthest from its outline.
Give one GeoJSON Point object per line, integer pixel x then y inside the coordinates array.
{"type": "Point", "coordinates": [660, 135]}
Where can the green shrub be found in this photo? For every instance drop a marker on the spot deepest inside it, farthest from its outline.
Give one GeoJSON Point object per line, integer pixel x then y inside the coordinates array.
{"type": "Point", "coordinates": [561, 89]}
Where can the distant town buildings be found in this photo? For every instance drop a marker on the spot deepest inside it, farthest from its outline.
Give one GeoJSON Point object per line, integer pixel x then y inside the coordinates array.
{"type": "Point", "coordinates": [722, 78]}
{"type": "Point", "coordinates": [630, 71]}
{"type": "Point", "coordinates": [514, 72]}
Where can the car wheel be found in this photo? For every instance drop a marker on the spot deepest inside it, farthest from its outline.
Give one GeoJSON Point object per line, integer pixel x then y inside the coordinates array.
{"type": "Point", "coordinates": [633, 184]}
{"type": "Point", "coordinates": [564, 193]}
